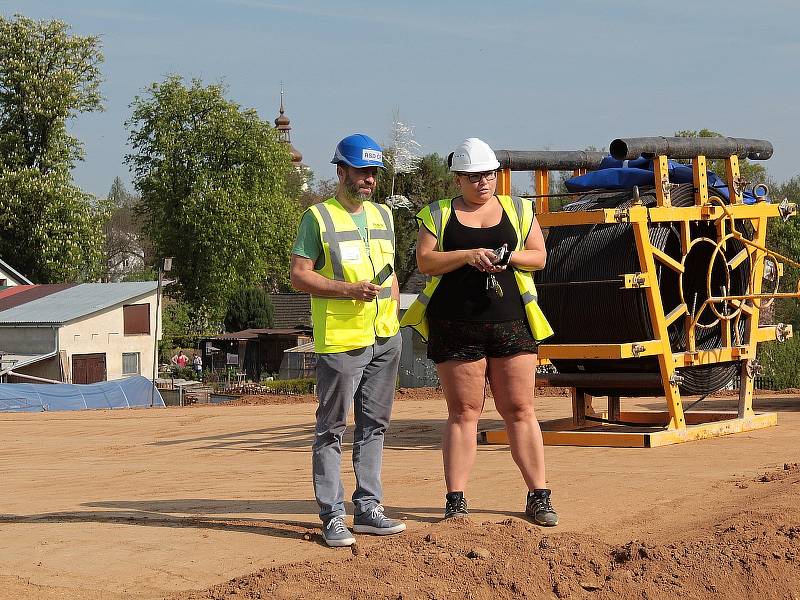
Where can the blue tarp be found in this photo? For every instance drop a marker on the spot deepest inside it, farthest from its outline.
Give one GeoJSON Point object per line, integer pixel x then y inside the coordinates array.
{"type": "Point", "coordinates": [616, 174]}
{"type": "Point", "coordinates": [38, 397]}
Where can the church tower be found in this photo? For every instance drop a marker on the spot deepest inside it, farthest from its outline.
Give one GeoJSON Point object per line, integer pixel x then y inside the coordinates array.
{"type": "Point", "coordinates": [284, 131]}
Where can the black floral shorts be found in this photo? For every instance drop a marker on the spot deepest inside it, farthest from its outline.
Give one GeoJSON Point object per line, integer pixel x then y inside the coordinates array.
{"type": "Point", "coordinates": [470, 340]}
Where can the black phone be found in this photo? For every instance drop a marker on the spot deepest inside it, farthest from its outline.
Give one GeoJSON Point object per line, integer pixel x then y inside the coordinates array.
{"type": "Point", "coordinates": [383, 275]}
{"type": "Point", "coordinates": [500, 253]}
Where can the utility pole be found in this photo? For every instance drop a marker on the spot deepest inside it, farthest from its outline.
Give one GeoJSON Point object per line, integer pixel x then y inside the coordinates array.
{"type": "Point", "coordinates": [164, 267]}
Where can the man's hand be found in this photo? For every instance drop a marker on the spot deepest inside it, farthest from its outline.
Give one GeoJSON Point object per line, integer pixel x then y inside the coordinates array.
{"type": "Point", "coordinates": [364, 291]}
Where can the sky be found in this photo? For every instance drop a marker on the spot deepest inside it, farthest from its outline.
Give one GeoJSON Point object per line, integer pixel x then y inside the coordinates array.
{"type": "Point", "coordinates": [522, 75]}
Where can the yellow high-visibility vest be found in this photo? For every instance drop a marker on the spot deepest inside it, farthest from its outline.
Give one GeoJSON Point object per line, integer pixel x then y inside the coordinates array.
{"type": "Point", "coordinates": [342, 324]}
{"type": "Point", "coordinates": [520, 212]}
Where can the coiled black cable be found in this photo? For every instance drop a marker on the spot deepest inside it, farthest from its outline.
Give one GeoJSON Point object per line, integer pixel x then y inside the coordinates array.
{"type": "Point", "coordinates": [581, 293]}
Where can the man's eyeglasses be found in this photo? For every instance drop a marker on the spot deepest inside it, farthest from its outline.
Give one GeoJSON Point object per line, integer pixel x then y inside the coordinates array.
{"type": "Point", "coordinates": [476, 177]}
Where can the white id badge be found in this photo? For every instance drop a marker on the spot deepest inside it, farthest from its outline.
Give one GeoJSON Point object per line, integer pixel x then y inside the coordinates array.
{"type": "Point", "coordinates": [351, 254]}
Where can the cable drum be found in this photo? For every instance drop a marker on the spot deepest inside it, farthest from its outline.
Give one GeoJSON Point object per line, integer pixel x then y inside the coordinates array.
{"type": "Point", "coordinates": [581, 292]}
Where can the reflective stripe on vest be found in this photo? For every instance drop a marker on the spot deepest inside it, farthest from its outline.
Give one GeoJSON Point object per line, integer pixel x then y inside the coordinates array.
{"type": "Point", "coordinates": [342, 324]}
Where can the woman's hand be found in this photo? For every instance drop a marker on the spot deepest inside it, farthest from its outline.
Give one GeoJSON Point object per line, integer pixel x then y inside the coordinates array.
{"type": "Point", "coordinates": [482, 259]}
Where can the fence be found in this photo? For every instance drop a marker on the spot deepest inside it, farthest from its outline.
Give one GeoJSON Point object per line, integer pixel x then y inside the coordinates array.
{"type": "Point", "coordinates": [761, 382]}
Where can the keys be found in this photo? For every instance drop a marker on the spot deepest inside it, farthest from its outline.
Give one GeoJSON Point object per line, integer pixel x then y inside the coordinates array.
{"type": "Point", "coordinates": [491, 280]}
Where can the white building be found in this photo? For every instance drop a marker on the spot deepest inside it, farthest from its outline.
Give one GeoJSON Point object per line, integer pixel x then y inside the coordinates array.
{"type": "Point", "coordinates": [9, 277]}
{"type": "Point", "coordinates": [78, 333]}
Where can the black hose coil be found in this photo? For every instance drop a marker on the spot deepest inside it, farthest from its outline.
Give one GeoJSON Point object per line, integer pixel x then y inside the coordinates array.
{"type": "Point", "coordinates": [580, 289]}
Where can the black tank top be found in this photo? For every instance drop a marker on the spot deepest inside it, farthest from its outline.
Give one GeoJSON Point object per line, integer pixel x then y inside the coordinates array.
{"type": "Point", "coordinates": [461, 294]}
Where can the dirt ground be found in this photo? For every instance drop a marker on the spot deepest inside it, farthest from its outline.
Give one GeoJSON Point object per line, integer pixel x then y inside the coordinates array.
{"type": "Point", "coordinates": [216, 502]}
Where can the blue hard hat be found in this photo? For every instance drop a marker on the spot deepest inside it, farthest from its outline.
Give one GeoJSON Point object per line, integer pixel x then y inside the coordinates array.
{"type": "Point", "coordinates": [359, 151]}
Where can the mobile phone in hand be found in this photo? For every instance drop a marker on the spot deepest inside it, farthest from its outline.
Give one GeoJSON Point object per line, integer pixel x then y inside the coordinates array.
{"type": "Point", "coordinates": [383, 275]}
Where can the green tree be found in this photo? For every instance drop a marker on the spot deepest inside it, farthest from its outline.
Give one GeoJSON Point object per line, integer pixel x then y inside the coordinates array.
{"type": "Point", "coordinates": [212, 179]}
{"type": "Point", "coordinates": [47, 76]}
{"type": "Point", "coordinates": [432, 180]}
{"type": "Point", "coordinates": [249, 308]}
{"type": "Point", "coordinates": [176, 327]}
{"type": "Point", "coordinates": [129, 255]}
{"type": "Point", "coordinates": [784, 238]}
{"type": "Point", "coordinates": [781, 362]}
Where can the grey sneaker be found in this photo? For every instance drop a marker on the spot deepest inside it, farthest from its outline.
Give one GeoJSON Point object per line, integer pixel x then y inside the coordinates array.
{"type": "Point", "coordinates": [455, 505]}
{"type": "Point", "coordinates": [336, 533]}
{"type": "Point", "coordinates": [374, 521]}
{"type": "Point", "coordinates": [538, 507]}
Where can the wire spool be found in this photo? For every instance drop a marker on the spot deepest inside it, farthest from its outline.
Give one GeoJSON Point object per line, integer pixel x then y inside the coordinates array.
{"type": "Point", "coordinates": [581, 291]}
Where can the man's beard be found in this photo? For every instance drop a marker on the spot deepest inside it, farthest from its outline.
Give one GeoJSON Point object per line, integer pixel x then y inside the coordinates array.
{"type": "Point", "coordinates": [352, 191]}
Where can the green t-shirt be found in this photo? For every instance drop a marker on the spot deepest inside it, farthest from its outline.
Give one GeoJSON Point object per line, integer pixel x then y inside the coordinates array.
{"type": "Point", "coordinates": [307, 243]}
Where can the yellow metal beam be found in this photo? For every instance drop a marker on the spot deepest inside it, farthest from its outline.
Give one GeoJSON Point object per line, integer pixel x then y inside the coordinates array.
{"type": "Point", "coordinates": [661, 347]}
{"type": "Point", "coordinates": [617, 436]}
{"type": "Point", "coordinates": [712, 212]}
{"type": "Point", "coordinates": [735, 188]}
{"type": "Point", "coordinates": [586, 217]}
{"type": "Point", "coordinates": [504, 182]}
{"type": "Point", "coordinates": [541, 180]}
{"type": "Point", "coordinates": [667, 260]}
{"type": "Point", "coordinates": [600, 351]}
{"type": "Point", "coordinates": [770, 333]}
{"type": "Point", "coordinates": [661, 172]}
{"type": "Point", "coordinates": [700, 177]}
{"type": "Point", "coordinates": [709, 357]}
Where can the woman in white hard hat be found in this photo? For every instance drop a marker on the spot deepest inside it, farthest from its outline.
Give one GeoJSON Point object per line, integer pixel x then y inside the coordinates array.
{"type": "Point", "coordinates": [480, 317]}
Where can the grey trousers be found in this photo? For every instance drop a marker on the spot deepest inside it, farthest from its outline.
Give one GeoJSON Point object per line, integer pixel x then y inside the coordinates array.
{"type": "Point", "coordinates": [365, 377]}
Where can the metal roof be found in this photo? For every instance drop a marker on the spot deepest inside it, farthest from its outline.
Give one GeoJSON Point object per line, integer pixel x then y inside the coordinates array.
{"type": "Point", "coordinates": [307, 347]}
{"type": "Point", "coordinates": [75, 302]}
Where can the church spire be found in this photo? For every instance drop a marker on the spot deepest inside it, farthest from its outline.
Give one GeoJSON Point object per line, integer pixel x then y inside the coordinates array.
{"type": "Point", "coordinates": [284, 131]}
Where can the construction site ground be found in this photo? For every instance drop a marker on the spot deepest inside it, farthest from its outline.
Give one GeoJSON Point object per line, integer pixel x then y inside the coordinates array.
{"type": "Point", "coordinates": [216, 502]}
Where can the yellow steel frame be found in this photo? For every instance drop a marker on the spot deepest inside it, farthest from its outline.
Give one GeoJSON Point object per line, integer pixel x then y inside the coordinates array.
{"type": "Point", "coordinates": [650, 429]}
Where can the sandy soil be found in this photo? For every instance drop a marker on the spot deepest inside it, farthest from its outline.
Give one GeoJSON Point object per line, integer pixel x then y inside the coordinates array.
{"type": "Point", "coordinates": [216, 502]}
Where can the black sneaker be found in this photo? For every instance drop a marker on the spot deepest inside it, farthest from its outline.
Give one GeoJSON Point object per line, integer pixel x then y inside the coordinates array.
{"type": "Point", "coordinates": [538, 507]}
{"type": "Point", "coordinates": [455, 505]}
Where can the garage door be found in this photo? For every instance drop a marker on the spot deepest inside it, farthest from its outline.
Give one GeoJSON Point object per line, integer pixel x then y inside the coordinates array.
{"type": "Point", "coordinates": [88, 368]}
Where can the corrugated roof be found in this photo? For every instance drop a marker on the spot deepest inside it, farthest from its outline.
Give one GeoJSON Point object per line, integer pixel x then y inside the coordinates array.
{"type": "Point", "coordinates": [75, 302]}
{"type": "Point", "coordinates": [309, 347]}
{"type": "Point", "coordinates": [291, 310]}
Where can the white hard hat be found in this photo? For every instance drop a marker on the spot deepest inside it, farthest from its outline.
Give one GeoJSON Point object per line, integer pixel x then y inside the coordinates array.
{"type": "Point", "coordinates": [473, 156]}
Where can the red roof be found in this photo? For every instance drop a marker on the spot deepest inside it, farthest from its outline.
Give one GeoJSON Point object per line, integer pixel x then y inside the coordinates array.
{"type": "Point", "coordinates": [21, 294]}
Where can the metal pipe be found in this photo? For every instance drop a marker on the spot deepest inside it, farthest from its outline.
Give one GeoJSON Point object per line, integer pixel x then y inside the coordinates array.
{"type": "Point", "coordinates": [599, 380]}
{"type": "Point", "coordinates": [550, 160]}
{"type": "Point", "coordinates": [680, 147]}
{"type": "Point", "coordinates": [31, 377]}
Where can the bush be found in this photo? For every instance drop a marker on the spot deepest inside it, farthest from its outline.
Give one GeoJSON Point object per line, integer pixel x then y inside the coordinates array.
{"type": "Point", "coordinates": [781, 362]}
{"type": "Point", "coordinates": [291, 386]}
{"type": "Point", "coordinates": [249, 308]}
{"type": "Point", "coordinates": [183, 372]}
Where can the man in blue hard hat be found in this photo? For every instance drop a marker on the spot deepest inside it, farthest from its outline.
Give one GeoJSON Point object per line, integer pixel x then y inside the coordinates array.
{"type": "Point", "coordinates": [344, 257]}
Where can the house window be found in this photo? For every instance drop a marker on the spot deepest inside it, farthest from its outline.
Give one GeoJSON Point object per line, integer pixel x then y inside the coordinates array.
{"type": "Point", "coordinates": [136, 319]}
{"type": "Point", "coordinates": [130, 363]}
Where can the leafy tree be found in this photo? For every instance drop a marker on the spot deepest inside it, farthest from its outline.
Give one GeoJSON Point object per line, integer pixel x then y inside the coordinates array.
{"type": "Point", "coordinates": [432, 180]}
{"type": "Point", "coordinates": [249, 308]}
{"type": "Point", "coordinates": [781, 362]}
{"type": "Point", "coordinates": [128, 251]}
{"type": "Point", "coordinates": [784, 238]}
{"type": "Point", "coordinates": [212, 179]}
{"type": "Point", "coordinates": [317, 191]}
{"type": "Point", "coordinates": [175, 327]}
{"type": "Point", "coordinates": [47, 76]}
